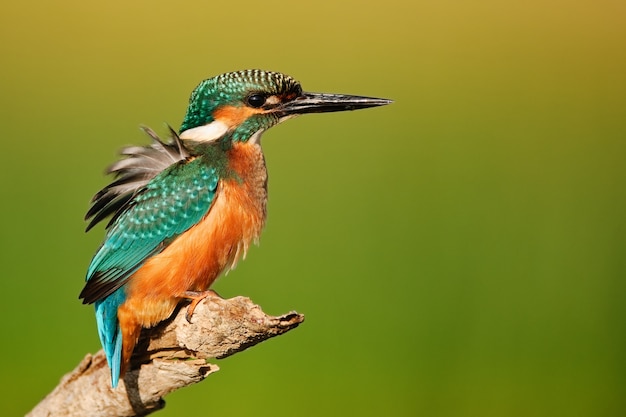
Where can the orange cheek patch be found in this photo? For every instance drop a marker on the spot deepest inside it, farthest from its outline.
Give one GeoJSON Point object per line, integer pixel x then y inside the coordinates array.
{"type": "Point", "coordinates": [233, 116]}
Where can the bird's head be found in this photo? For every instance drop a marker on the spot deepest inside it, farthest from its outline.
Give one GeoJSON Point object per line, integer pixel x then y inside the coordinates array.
{"type": "Point", "coordinates": [239, 106]}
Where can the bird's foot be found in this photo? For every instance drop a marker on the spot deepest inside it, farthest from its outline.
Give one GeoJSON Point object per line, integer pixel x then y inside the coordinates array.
{"type": "Point", "coordinates": [196, 297]}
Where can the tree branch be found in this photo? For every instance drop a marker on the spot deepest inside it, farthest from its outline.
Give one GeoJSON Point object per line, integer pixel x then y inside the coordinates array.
{"type": "Point", "coordinates": [168, 357]}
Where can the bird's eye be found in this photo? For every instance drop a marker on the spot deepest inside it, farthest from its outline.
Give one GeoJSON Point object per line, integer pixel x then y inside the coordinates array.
{"type": "Point", "coordinates": [256, 100]}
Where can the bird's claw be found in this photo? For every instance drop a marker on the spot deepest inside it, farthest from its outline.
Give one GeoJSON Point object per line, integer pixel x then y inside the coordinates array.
{"type": "Point", "coordinates": [196, 297]}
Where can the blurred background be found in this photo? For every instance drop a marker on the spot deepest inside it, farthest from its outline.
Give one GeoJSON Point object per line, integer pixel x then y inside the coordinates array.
{"type": "Point", "coordinates": [458, 253]}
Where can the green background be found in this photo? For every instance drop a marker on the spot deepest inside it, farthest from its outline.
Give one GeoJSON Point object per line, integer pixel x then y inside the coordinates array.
{"type": "Point", "coordinates": [458, 253]}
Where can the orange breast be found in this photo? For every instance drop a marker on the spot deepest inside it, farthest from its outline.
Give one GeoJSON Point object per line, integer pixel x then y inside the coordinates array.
{"type": "Point", "coordinates": [196, 258]}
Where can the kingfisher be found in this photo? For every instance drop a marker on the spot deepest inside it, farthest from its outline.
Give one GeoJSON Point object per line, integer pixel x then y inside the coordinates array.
{"type": "Point", "coordinates": [185, 209]}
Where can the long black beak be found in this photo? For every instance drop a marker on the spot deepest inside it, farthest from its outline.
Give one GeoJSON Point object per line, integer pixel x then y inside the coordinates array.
{"type": "Point", "coordinates": [322, 103]}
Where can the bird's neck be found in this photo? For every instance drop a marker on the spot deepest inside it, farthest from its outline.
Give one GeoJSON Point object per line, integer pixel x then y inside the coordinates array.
{"type": "Point", "coordinates": [230, 158]}
{"type": "Point", "coordinates": [223, 143]}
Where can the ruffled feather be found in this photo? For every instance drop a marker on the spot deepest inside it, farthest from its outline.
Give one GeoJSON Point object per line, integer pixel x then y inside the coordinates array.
{"type": "Point", "coordinates": [132, 173]}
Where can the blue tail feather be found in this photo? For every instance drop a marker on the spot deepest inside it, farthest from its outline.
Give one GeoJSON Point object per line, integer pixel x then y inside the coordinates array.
{"type": "Point", "coordinates": [110, 331]}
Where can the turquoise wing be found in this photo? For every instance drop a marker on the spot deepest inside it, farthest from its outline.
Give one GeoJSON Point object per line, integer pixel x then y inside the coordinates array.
{"type": "Point", "coordinates": [167, 206]}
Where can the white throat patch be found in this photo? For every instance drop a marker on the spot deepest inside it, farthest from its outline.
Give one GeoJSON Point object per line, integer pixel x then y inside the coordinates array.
{"type": "Point", "coordinates": [256, 138]}
{"type": "Point", "coordinates": [207, 133]}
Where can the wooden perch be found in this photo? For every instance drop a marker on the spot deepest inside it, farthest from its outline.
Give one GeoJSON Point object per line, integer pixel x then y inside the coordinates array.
{"type": "Point", "coordinates": [168, 357]}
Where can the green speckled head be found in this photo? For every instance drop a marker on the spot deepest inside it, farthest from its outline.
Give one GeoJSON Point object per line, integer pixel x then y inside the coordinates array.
{"type": "Point", "coordinates": [234, 89]}
{"type": "Point", "coordinates": [238, 106]}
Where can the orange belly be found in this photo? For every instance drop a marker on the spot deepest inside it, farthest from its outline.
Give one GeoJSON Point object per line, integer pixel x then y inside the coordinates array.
{"type": "Point", "coordinates": [197, 257]}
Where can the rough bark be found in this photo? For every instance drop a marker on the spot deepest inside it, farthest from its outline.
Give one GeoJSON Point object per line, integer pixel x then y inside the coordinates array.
{"type": "Point", "coordinates": [168, 357]}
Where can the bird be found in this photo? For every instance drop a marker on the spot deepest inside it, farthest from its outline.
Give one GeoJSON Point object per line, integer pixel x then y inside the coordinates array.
{"type": "Point", "coordinates": [184, 210]}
